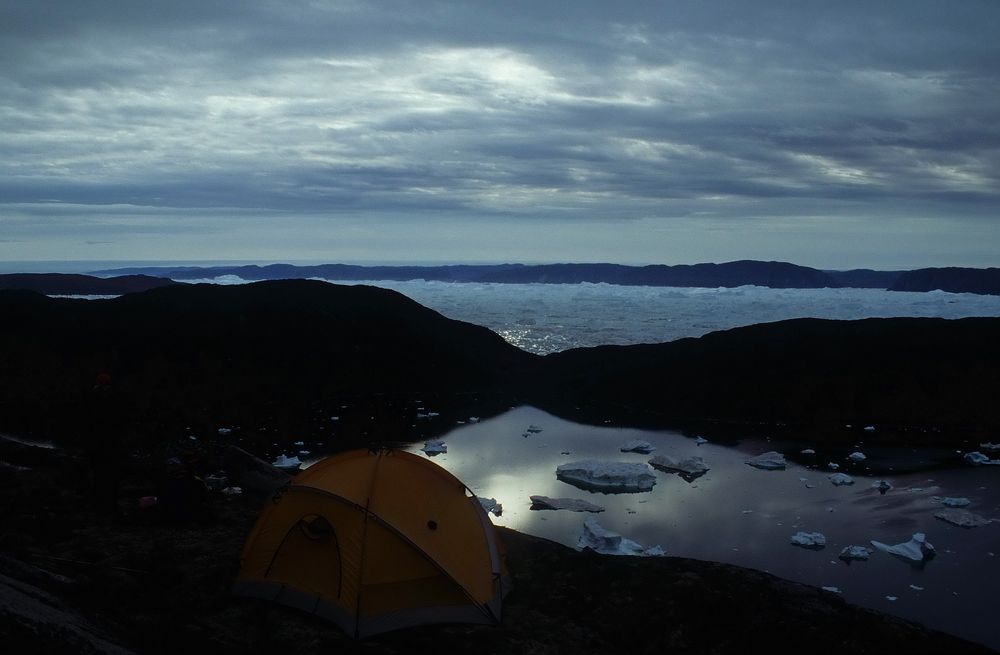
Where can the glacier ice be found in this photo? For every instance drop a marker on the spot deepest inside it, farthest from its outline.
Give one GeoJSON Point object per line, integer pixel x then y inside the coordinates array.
{"type": "Point", "coordinates": [811, 540]}
{"type": "Point", "coordinates": [769, 461]}
{"type": "Point", "coordinates": [607, 542]}
{"type": "Point", "coordinates": [917, 549]}
{"type": "Point", "coordinates": [609, 477]}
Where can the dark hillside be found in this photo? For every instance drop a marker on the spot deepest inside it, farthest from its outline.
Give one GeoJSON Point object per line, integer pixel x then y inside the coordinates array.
{"type": "Point", "coordinates": [81, 285]}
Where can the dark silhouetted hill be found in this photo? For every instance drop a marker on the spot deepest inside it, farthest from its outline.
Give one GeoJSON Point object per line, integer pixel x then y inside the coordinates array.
{"type": "Point", "coordinates": [956, 280]}
{"type": "Point", "coordinates": [66, 284]}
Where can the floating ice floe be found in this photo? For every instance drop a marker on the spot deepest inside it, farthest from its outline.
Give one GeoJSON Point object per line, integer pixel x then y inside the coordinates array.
{"type": "Point", "coordinates": [232, 491]}
{"type": "Point", "coordinates": [689, 468]}
{"type": "Point", "coordinates": [571, 504]}
{"type": "Point", "coordinates": [882, 486]}
{"type": "Point", "coordinates": [869, 428]}
{"type": "Point", "coordinates": [638, 446]}
{"type": "Point", "coordinates": [473, 419]}
{"type": "Point", "coordinates": [700, 440]}
{"type": "Point", "coordinates": [224, 431]}
{"type": "Point", "coordinates": [808, 451]}
{"type": "Point", "coordinates": [977, 458]}
{"type": "Point", "coordinates": [857, 457]}
{"type": "Point", "coordinates": [607, 542]}
{"type": "Point", "coordinates": [892, 599]}
{"type": "Point", "coordinates": [841, 479]}
{"type": "Point", "coordinates": [852, 553]}
{"type": "Point", "coordinates": [916, 588]}
{"type": "Point", "coordinates": [811, 540]}
{"type": "Point", "coordinates": [963, 518]}
{"type": "Point", "coordinates": [992, 447]}
{"type": "Point", "coordinates": [917, 549]}
{"type": "Point", "coordinates": [426, 416]}
{"type": "Point", "coordinates": [832, 590]}
{"type": "Point", "coordinates": [287, 463]}
{"type": "Point", "coordinates": [609, 477]}
{"type": "Point", "coordinates": [491, 505]}
{"type": "Point", "coordinates": [956, 502]}
{"type": "Point", "coordinates": [434, 447]}
{"type": "Point", "coordinates": [299, 443]}
{"type": "Point", "coordinates": [833, 466]}
{"type": "Point", "coordinates": [769, 461]}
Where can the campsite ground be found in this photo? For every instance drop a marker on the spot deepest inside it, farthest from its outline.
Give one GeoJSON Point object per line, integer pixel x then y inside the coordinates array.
{"type": "Point", "coordinates": [75, 578]}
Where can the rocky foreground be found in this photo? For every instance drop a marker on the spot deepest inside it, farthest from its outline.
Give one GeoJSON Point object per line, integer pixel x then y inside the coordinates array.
{"type": "Point", "coordinates": [75, 578]}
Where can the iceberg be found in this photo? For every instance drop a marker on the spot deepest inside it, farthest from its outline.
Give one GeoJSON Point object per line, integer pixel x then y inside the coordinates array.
{"type": "Point", "coordinates": [811, 540]}
{"type": "Point", "coordinates": [963, 518]}
{"type": "Point", "coordinates": [956, 502]}
{"type": "Point", "coordinates": [638, 446]}
{"type": "Point", "coordinates": [832, 590]}
{"type": "Point", "coordinates": [571, 504]}
{"type": "Point", "coordinates": [832, 466]}
{"type": "Point", "coordinates": [977, 458]}
{"type": "Point", "coordinates": [852, 553]}
{"type": "Point", "coordinates": [287, 463]}
{"type": "Point", "coordinates": [607, 542]}
{"type": "Point", "coordinates": [491, 505]}
{"type": "Point", "coordinates": [869, 428]}
{"type": "Point", "coordinates": [840, 479]}
{"type": "Point", "coordinates": [808, 451]}
{"type": "Point", "coordinates": [608, 477]}
{"type": "Point", "coordinates": [857, 457]}
{"type": "Point", "coordinates": [882, 486]}
{"type": "Point", "coordinates": [434, 447]}
{"type": "Point", "coordinates": [689, 469]}
{"type": "Point", "coordinates": [769, 461]}
{"type": "Point", "coordinates": [990, 446]}
{"type": "Point", "coordinates": [917, 549]}
{"type": "Point", "coordinates": [700, 440]}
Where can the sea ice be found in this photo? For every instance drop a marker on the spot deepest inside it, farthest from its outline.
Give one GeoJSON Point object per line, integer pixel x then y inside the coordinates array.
{"type": "Point", "coordinates": [832, 590]}
{"type": "Point", "coordinates": [808, 451]}
{"type": "Point", "coordinates": [990, 446]}
{"type": "Point", "coordinates": [833, 466]}
{"type": "Point", "coordinates": [607, 542]}
{"type": "Point", "coordinates": [963, 518]}
{"type": "Point", "coordinates": [811, 540]}
{"type": "Point", "coordinates": [609, 477]}
{"type": "Point", "coordinates": [700, 440]}
{"type": "Point", "coordinates": [434, 447]}
{"type": "Point", "coordinates": [689, 468]}
{"type": "Point", "coordinates": [869, 428]}
{"type": "Point", "coordinates": [841, 479]}
{"type": "Point", "coordinates": [571, 504]}
{"type": "Point", "coordinates": [956, 502]}
{"type": "Point", "coordinates": [769, 461]}
{"type": "Point", "coordinates": [856, 457]}
{"type": "Point", "coordinates": [850, 553]}
{"type": "Point", "coordinates": [917, 549]}
{"type": "Point", "coordinates": [638, 446]}
{"type": "Point", "coordinates": [491, 505]}
{"type": "Point", "coordinates": [224, 431]}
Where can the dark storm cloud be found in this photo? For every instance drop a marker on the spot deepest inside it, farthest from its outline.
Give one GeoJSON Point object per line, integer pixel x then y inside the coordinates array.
{"type": "Point", "coordinates": [513, 108]}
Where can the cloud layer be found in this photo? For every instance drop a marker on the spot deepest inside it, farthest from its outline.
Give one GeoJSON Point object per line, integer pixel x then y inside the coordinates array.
{"type": "Point", "coordinates": [304, 123]}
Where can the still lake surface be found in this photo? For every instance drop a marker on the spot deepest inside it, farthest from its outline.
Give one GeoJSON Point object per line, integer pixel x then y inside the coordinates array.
{"type": "Point", "coordinates": [742, 515]}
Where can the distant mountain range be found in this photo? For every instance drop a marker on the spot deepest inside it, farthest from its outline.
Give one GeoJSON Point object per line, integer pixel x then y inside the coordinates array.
{"type": "Point", "coordinates": [778, 275]}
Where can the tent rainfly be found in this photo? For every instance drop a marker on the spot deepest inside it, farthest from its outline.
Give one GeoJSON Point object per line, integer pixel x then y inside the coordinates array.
{"type": "Point", "coordinates": [375, 541]}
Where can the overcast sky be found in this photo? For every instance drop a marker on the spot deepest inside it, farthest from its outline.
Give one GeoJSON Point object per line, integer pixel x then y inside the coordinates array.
{"type": "Point", "coordinates": [831, 134]}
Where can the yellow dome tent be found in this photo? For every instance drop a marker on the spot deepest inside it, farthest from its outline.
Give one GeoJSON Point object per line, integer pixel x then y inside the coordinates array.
{"type": "Point", "coordinates": [376, 541]}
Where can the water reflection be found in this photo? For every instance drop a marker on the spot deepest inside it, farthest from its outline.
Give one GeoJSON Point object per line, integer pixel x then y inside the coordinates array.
{"type": "Point", "coordinates": [742, 515]}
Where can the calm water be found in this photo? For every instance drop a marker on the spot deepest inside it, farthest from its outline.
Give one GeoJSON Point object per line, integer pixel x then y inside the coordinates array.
{"type": "Point", "coordinates": [745, 516]}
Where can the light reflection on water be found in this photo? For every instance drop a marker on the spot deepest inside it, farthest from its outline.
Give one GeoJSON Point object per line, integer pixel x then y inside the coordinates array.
{"type": "Point", "coordinates": [745, 516]}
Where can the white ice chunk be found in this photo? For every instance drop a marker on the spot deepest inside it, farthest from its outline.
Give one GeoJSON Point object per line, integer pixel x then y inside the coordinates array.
{"type": "Point", "coordinates": [700, 440]}
{"type": "Point", "coordinates": [917, 549]}
{"type": "Point", "coordinates": [691, 467]}
{"type": "Point", "coordinates": [571, 504]}
{"type": "Point", "coordinates": [607, 542]}
{"type": "Point", "coordinates": [638, 446]}
{"type": "Point", "coordinates": [892, 598]}
{"type": "Point", "coordinates": [224, 431]}
{"type": "Point", "coordinates": [832, 590]}
{"type": "Point", "coordinates": [976, 458]}
{"type": "Point", "coordinates": [491, 505]}
{"type": "Point", "coordinates": [850, 553]}
{"type": "Point", "coordinates": [840, 479]}
{"type": "Point", "coordinates": [857, 457]}
{"type": "Point", "coordinates": [916, 588]}
{"type": "Point", "coordinates": [808, 451]}
{"type": "Point", "coordinates": [833, 466]}
{"type": "Point", "coordinates": [299, 443]}
{"type": "Point", "coordinates": [869, 428]}
{"type": "Point", "coordinates": [607, 476]}
{"type": "Point", "coordinates": [232, 491]}
{"type": "Point", "coordinates": [435, 447]}
{"type": "Point", "coordinates": [956, 502]}
{"type": "Point", "coordinates": [813, 540]}
{"type": "Point", "coordinates": [473, 419]}
{"type": "Point", "coordinates": [769, 461]}
{"type": "Point", "coordinates": [963, 518]}
{"type": "Point", "coordinates": [283, 462]}
{"type": "Point", "coordinates": [990, 446]}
